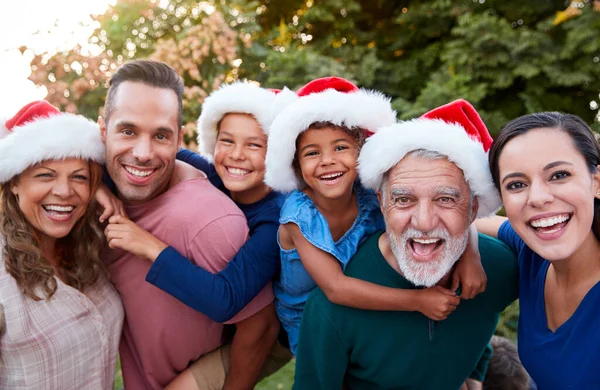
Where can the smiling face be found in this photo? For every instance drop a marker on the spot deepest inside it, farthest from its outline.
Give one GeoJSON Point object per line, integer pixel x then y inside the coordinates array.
{"type": "Point", "coordinates": [327, 161]}
{"type": "Point", "coordinates": [548, 199]}
{"type": "Point", "coordinates": [142, 139]}
{"type": "Point", "coordinates": [53, 196]}
{"type": "Point", "coordinates": [427, 210]}
{"type": "Point", "coordinates": [239, 157]}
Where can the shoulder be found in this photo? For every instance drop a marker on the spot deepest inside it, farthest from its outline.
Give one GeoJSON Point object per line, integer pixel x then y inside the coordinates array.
{"type": "Point", "coordinates": [494, 253]}
{"type": "Point", "coordinates": [264, 211]}
{"type": "Point", "coordinates": [295, 204]}
{"type": "Point", "coordinates": [368, 208]}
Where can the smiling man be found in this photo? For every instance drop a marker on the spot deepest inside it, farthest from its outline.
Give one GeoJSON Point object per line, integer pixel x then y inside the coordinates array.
{"type": "Point", "coordinates": [432, 180]}
{"type": "Point", "coordinates": [169, 203]}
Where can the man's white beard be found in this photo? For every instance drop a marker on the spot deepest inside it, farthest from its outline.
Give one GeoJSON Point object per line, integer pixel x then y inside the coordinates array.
{"type": "Point", "coordinates": [427, 274]}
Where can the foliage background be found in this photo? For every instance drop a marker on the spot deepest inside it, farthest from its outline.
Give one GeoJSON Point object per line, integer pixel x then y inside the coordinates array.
{"type": "Point", "coordinates": [507, 57]}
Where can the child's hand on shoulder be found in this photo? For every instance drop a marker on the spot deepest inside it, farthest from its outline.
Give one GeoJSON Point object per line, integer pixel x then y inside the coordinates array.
{"type": "Point", "coordinates": [122, 233]}
{"type": "Point", "coordinates": [436, 302]}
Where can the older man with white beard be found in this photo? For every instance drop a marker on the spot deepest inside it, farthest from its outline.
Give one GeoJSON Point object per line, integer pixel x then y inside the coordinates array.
{"type": "Point", "coordinates": [432, 180]}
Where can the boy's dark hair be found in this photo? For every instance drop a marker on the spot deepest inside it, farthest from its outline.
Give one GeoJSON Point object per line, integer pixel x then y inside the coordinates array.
{"type": "Point", "coordinates": [152, 73]}
{"type": "Point", "coordinates": [505, 371]}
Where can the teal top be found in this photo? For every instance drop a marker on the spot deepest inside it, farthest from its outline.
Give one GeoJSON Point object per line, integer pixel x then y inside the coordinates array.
{"type": "Point", "coordinates": [397, 349]}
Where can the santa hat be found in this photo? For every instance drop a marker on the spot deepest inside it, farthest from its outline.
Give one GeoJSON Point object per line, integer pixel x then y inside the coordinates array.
{"type": "Point", "coordinates": [454, 130]}
{"type": "Point", "coordinates": [330, 99]}
{"type": "Point", "coordinates": [39, 132]}
{"type": "Point", "coordinates": [240, 97]}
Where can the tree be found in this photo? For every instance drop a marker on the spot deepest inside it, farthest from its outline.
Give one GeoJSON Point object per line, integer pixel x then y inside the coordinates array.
{"type": "Point", "coordinates": [508, 58]}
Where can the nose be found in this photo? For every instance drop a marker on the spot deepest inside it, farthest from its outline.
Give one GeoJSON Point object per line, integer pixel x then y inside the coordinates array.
{"type": "Point", "coordinates": [424, 217]}
{"type": "Point", "coordinates": [62, 188]}
{"type": "Point", "coordinates": [238, 152]}
{"type": "Point", "coordinates": [142, 150]}
{"type": "Point", "coordinates": [327, 158]}
{"type": "Point", "coordinates": [539, 194]}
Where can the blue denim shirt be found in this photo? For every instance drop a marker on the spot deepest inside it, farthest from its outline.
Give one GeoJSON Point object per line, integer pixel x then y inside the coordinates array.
{"type": "Point", "coordinates": [295, 284]}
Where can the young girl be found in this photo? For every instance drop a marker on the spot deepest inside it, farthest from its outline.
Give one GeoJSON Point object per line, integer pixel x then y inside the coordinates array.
{"type": "Point", "coordinates": [545, 166]}
{"type": "Point", "coordinates": [313, 145]}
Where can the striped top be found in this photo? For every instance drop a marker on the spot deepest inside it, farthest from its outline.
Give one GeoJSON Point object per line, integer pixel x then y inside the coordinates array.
{"type": "Point", "coordinates": [69, 341]}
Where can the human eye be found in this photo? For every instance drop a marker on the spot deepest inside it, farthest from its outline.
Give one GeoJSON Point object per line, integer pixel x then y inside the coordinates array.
{"type": "Point", "coordinates": [446, 199]}
{"type": "Point", "coordinates": [43, 175]}
{"type": "Point", "coordinates": [225, 140]}
{"type": "Point", "coordinates": [127, 132]}
{"type": "Point", "coordinates": [341, 147]}
{"type": "Point", "coordinates": [161, 137]}
{"type": "Point", "coordinates": [311, 153]}
{"type": "Point", "coordinates": [515, 185]}
{"type": "Point", "coordinates": [255, 146]}
{"type": "Point", "coordinates": [80, 176]}
{"type": "Point", "coordinates": [560, 175]}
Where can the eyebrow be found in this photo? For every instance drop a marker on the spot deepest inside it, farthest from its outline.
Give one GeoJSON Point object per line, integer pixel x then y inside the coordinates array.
{"type": "Point", "coordinates": [448, 191]}
{"type": "Point", "coordinates": [395, 192]}
{"type": "Point", "coordinates": [551, 165]}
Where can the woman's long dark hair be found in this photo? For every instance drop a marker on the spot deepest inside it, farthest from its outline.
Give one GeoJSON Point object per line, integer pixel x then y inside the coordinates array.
{"type": "Point", "coordinates": [580, 133]}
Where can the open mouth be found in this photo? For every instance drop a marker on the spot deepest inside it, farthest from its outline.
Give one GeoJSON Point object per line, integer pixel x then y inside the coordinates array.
{"type": "Point", "coordinates": [139, 173]}
{"type": "Point", "coordinates": [332, 177]}
{"type": "Point", "coordinates": [238, 171]}
{"type": "Point", "coordinates": [551, 224]}
{"type": "Point", "coordinates": [58, 212]}
{"type": "Point", "coordinates": [425, 246]}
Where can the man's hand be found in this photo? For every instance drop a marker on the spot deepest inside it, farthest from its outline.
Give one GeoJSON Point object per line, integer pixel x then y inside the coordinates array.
{"type": "Point", "coordinates": [124, 234]}
{"type": "Point", "coordinates": [469, 272]}
{"type": "Point", "coordinates": [436, 302]}
{"type": "Point", "coordinates": [110, 204]}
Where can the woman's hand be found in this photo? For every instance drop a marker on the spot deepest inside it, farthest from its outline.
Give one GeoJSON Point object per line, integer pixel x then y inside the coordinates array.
{"type": "Point", "coordinates": [122, 233]}
{"type": "Point", "coordinates": [111, 205]}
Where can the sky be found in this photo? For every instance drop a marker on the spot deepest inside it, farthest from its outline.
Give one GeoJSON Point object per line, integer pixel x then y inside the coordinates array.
{"type": "Point", "coordinates": [41, 26]}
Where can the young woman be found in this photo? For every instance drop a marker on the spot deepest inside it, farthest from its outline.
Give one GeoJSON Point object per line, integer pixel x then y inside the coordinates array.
{"type": "Point", "coordinates": [312, 151]}
{"type": "Point", "coordinates": [546, 167]}
{"type": "Point", "coordinates": [60, 318]}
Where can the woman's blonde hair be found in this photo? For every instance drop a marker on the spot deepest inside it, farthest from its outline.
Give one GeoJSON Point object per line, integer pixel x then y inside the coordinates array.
{"type": "Point", "coordinates": [80, 264]}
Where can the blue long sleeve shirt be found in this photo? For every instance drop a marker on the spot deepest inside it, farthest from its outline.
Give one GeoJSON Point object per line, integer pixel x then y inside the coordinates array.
{"type": "Point", "coordinates": [221, 296]}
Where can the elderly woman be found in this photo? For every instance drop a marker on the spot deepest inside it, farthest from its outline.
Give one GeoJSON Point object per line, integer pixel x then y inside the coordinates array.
{"type": "Point", "coordinates": [60, 318]}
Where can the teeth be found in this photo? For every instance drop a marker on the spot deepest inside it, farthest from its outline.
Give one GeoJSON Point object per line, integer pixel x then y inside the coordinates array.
{"type": "Point", "coordinates": [426, 241]}
{"type": "Point", "coordinates": [238, 171]}
{"type": "Point", "coordinates": [332, 176]}
{"type": "Point", "coordinates": [545, 222]}
{"type": "Point", "coordinates": [135, 172]}
{"type": "Point", "coordinates": [62, 209]}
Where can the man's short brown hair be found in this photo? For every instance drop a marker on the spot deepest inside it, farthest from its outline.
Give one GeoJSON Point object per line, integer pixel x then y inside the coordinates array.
{"type": "Point", "coordinates": [152, 73]}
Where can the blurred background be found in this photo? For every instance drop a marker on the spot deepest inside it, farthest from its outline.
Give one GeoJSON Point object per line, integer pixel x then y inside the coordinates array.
{"type": "Point", "coordinates": [507, 57]}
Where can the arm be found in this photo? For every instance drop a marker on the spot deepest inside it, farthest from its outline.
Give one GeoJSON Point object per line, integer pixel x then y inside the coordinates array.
{"type": "Point", "coordinates": [343, 290]}
{"type": "Point", "coordinates": [253, 340]}
{"type": "Point", "coordinates": [480, 370]}
{"type": "Point", "coordinates": [201, 164]}
{"type": "Point", "coordinates": [321, 359]}
{"type": "Point", "coordinates": [221, 295]}
{"type": "Point", "coordinates": [490, 225]}
{"type": "Point", "coordinates": [469, 272]}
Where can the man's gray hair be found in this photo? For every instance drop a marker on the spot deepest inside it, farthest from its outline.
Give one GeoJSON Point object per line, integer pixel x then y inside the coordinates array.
{"type": "Point", "coordinates": [424, 154]}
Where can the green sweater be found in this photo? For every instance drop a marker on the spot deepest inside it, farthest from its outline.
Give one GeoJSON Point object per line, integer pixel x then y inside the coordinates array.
{"type": "Point", "coordinates": [402, 350]}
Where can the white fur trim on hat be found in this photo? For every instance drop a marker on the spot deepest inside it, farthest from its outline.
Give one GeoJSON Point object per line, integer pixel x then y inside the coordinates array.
{"type": "Point", "coordinates": [51, 138]}
{"type": "Point", "coordinates": [363, 109]}
{"type": "Point", "coordinates": [239, 97]}
{"type": "Point", "coordinates": [391, 144]}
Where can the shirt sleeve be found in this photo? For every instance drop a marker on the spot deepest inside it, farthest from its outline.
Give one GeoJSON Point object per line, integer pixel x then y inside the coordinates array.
{"type": "Point", "coordinates": [223, 295]}
{"type": "Point", "coordinates": [509, 236]}
{"type": "Point", "coordinates": [321, 358]}
{"type": "Point", "coordinates": [482, 366]}
{"type": "Point", "coordinates": [202, 164]}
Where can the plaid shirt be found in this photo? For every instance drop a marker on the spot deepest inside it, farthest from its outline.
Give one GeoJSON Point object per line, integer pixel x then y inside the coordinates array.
{"type": "Point", "coordinates": [69, 341]}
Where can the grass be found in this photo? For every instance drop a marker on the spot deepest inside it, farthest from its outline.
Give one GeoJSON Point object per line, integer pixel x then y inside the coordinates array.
{"type": "Point", "coordinates": [281, 380]}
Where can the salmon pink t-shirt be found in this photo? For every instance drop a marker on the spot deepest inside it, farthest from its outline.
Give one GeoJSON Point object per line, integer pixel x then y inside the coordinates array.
{"type": "Point", "coordinates": [161, 335]}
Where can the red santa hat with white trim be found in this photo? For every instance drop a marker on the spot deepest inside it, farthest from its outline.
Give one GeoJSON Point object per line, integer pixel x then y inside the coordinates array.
{"type": "Point", "coordinates": [454, 130]}
{"type": "Point", "coordinates": [242, 97]}
{"type": "Point", "coordinates": [330, 99]}
{"type": "Point", "coordinates": [40, 132]}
